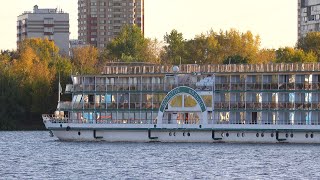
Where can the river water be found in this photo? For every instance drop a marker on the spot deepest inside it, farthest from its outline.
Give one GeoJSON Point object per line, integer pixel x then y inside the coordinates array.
{"type": "Point", "coordinates": [35, 155]}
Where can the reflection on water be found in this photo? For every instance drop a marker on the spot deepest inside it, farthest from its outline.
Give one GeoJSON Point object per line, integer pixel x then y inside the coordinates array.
{"type": "Point", "coordinates": [35, 155]}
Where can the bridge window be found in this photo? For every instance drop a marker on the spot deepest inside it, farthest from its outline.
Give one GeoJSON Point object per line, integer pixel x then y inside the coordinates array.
{"type": "Point", "coordinates": [189, 101]}
{"type": "Point", "coordinates": [176, 101]}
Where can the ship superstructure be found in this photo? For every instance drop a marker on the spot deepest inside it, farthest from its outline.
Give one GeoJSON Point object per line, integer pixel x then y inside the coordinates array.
{"type": "Point", "coordinates": [192, 103]}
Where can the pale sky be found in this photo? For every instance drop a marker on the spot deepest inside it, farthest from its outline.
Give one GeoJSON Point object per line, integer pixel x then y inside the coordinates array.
{"type": "Point", "coordinates": [275, 21]}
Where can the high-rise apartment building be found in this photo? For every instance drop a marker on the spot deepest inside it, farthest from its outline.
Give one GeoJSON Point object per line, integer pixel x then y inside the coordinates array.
{"type": "Point", "coordinates": [100, 21]}
{"type": "Point", "coordinates": [308, 16]}
{"type": "Point", "coordinates": [45, 23]}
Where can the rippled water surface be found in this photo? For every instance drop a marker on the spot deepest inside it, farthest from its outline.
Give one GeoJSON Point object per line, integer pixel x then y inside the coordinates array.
{"type": "Point", "coordinates": [35, 155]}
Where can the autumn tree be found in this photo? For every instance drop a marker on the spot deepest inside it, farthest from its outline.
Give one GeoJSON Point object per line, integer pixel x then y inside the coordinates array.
{"type": "Point", "coordinates": [44, 49]}
{"type": "Point", "coordinates": [85, 59]}
{"type": "Point", "coordinates": [234, 43]}
{"type": "Point", "coordinates": [27, 81]}
{"type": "Point", "coordinates": [266, 56]}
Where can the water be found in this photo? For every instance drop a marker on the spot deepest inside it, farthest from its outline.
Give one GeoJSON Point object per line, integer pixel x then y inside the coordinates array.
{"type": "Point", "coordinates": [35, 155]}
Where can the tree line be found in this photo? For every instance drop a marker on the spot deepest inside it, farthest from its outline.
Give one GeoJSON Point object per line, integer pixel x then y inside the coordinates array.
{"type": "Point", "coordinates": [29, 76]}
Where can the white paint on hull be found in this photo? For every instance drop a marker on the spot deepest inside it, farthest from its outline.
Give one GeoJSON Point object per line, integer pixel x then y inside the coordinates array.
{"type": "Point", "coordinates": [187, 136]}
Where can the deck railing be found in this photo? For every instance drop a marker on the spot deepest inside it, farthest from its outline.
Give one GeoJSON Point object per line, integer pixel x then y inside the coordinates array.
{"type": "Point", "coordinates": [212, 68]}
{"type": "Point", "coordinates": [265, 122]}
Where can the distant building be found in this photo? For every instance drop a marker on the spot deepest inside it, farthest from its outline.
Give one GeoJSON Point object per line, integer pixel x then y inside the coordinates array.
{"type": "Point", "coordinates": [75, 43]}
{"type": "Point", "coordinates": [100, 21]}
{"type": "Point", "coordinates": [308, 16]}
{"type": "Point", "coordinates": [45, 23]}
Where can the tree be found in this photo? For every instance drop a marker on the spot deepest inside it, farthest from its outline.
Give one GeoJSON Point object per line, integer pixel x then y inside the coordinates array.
{"type": "Point", "coordinates": [26, 81]}
{"type": "Point", "coordinates": [202, 49]}
{"type": "Point", "coordinates": [130, 46]}
{"type": "Point", "coordinates": [175, 48]}
{"type": "Point", "coordinates": [310, 43]}
{"type": "Point", "coordinates": [236, 59]}
{"type": "Point", "coordinates": [85, 59]}
{"type": "Point", "coordinates": [232, 43]}
{"type": "Point", "coordinates": [265, 56]}
{"type": "Point", "coordinates": [291, 55]}
{"type": "Point", "coordinates": [45, 49]}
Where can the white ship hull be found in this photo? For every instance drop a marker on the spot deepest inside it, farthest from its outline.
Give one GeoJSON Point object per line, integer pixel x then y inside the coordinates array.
{"type": "Point", "coordinates": [174, 133]}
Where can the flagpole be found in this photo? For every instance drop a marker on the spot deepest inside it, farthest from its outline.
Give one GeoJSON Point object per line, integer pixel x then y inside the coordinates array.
{"type": "Point", "coordinates": [59, 91]}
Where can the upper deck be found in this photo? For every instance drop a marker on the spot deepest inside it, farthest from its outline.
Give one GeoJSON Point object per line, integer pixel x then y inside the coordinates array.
{"type": "Point", "coordinates": [140, 68]}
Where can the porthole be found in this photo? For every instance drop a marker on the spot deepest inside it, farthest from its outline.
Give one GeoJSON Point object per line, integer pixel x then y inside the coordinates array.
{"type": "Point", "coordinates": [188, 134]}
{"type": "Point", "coordinates": [238, 134]}
{"type": "Point", "coordinates": [243, 134]}
{"type": "Point", "coordinates": [170, 134]}
{"type": "Point", "coordinates": [222, 134]}
{"type": "Point", "coordinates": [257, 134]}
{"type": "Point", "coordinates": [174, 133]}
{"type": "Point", "coordinates": [183, 133]}
{"type": "Point", "coordinates": [79, 133]}
{"type": "Point", "coordinates": [272, 135]}
{"type": "Point", "coordinates": [200, 126]}
{"type": "Point", "coordinates": [291, 135]}
{"type": "Point", "coordinates": [227, 134]}
{"type": "Point", "coordinates": [287, 135]}
{"type": "Point", "coordinates": [307, 135]}
{"type": "Point", "coordinates": [262, 134]}
{"type": "Point", "coordinates": [311, 135]}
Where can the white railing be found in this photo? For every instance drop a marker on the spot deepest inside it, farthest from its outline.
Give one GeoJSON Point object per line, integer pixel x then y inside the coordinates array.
{"type": "Point", "coordinates": [214, 68]}
{"type": "Point", "coordinates": [53, 119]}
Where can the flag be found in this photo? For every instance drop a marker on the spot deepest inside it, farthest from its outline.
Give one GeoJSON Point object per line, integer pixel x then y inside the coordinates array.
{"type": "Point", "coordinates": [60, 88]}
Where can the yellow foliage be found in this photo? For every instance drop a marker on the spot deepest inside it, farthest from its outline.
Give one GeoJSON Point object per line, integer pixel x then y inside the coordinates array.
{"type": "Point", "coordinates": [85, 59]}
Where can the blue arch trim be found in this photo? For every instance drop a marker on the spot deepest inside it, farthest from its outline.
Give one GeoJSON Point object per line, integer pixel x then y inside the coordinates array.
{"type": "Point", "coordinates": [180, 90]}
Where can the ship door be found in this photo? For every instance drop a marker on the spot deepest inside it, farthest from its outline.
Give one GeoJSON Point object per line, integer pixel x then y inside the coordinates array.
{"type": "Point", "coordinates": [254, 118]}
{"type": "Point", "coordinates": [186, 118]}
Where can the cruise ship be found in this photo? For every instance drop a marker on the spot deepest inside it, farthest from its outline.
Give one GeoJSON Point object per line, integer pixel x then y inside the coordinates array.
{"type": "Point", "coordinates": [143, 102]}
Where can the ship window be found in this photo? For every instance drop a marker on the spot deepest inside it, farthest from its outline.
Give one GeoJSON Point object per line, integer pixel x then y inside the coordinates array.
{"type": "Point", "coordinates": [189, 101]}
{"type": "Point", "coordinates": [176, 101]}
{"type": "Point", "coordinates": [207, 100]}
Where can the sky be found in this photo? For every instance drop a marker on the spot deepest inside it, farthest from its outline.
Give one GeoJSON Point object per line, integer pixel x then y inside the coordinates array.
{"type": "Point", "coordinates": [275, 21]}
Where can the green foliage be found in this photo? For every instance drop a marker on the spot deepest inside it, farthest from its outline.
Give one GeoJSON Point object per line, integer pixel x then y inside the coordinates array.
{"type": "Point", "coordinates": [130, 46]}
{"type": "Point", "coordinates": [27, 83]}
{"type": "Point", "coordinates": [201, 50]}
{"type": "Point", "coordinates": [310, 43]}
{"type": "Point", "coordinates": [291, 55]}
{"type": "Point", "coordinates": [237, 59]}
{"type": "Point", "coordinates": [175, 48]}
{"type": "Point", "coordinates": [211, 48]}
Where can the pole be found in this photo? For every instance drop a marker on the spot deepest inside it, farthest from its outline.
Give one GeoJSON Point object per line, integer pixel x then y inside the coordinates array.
{"type": "Point", "coordinates": [59, 91]}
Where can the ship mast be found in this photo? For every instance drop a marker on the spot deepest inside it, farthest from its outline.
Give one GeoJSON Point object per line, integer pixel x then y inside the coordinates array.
{"type": "Point", "coordinates": [59, 91]}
